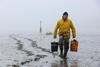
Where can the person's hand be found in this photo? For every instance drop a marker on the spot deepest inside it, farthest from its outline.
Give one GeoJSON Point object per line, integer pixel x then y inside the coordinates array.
{"type": "Point", "coordinates": [73, 38]}
{"type": "Point", "coordinates": [55, 37]}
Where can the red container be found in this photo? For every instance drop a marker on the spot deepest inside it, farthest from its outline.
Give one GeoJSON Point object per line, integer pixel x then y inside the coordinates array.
{"type": "Point", "coordinates": [74, 46]}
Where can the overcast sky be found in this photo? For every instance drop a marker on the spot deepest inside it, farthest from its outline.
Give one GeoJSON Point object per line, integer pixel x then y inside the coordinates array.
{"type": "Point", "coordinates": [25, 15]}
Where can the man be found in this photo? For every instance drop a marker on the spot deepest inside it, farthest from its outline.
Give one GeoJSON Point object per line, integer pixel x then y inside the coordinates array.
{"type": "Point", "coordinates": [64, 27]}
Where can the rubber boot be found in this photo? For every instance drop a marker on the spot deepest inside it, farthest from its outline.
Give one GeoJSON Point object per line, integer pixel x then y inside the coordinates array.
{"type": "Point", "coordinates": [61, 53]}
{"type": "Point", "coordinates": [65, 54]}
{"type": "Point", "coordinates": [61, 50]}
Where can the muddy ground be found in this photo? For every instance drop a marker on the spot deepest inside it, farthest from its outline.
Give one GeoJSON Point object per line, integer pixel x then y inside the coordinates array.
{"type": "Point", "coordinates": [33, 50]}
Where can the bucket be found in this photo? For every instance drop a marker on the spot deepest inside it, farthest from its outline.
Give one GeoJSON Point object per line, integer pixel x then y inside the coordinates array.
{"type": "Point", "coordinates": [74, 46]}
{"type": "Point", "coordinates": [54, 46]}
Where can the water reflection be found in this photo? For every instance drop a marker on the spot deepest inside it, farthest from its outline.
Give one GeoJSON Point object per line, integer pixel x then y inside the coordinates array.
{"type": "Point", "coordinates": [65, 63]}
{"type": "Point", "coordinates": [74, 63]}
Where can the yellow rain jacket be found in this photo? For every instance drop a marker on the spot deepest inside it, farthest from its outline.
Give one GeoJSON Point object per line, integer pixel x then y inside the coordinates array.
{"type": "Point", "coordinates": [63, 28]}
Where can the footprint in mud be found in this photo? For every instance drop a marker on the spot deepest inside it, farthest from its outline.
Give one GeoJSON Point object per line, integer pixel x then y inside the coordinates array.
{"type": "Point", "coordinates": [38, 57]}
{"type": "Point", "coordinates": [13, 65]}
{"type": "Point", "coordinates": [25, 62]}
{"type": "Point", "coordinates": [29, 53]}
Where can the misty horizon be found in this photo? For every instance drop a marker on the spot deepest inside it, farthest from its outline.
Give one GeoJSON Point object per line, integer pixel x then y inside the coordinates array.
{"type": "Point", "coordinates": [25, 16]}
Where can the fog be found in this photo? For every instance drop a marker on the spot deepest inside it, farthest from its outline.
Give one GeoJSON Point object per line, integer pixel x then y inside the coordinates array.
{"type": "Point", "coordinates": [19, 16]}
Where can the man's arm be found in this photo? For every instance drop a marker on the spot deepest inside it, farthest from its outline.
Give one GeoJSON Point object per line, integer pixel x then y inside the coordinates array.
{"type": "Point", "coordinates": [73, 30]}
{"type": "Point", "coordinates": [56, 29]}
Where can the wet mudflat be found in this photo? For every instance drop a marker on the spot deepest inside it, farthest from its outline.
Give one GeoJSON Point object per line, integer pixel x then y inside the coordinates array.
{"type": "Point", "coordinates": [33, 50]}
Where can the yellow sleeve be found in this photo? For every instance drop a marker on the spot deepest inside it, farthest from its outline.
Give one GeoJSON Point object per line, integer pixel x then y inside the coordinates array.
{"type": "Point", "coordinates": [73, 30]}
{"type": "Point", "coordinates": [56, 28]}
